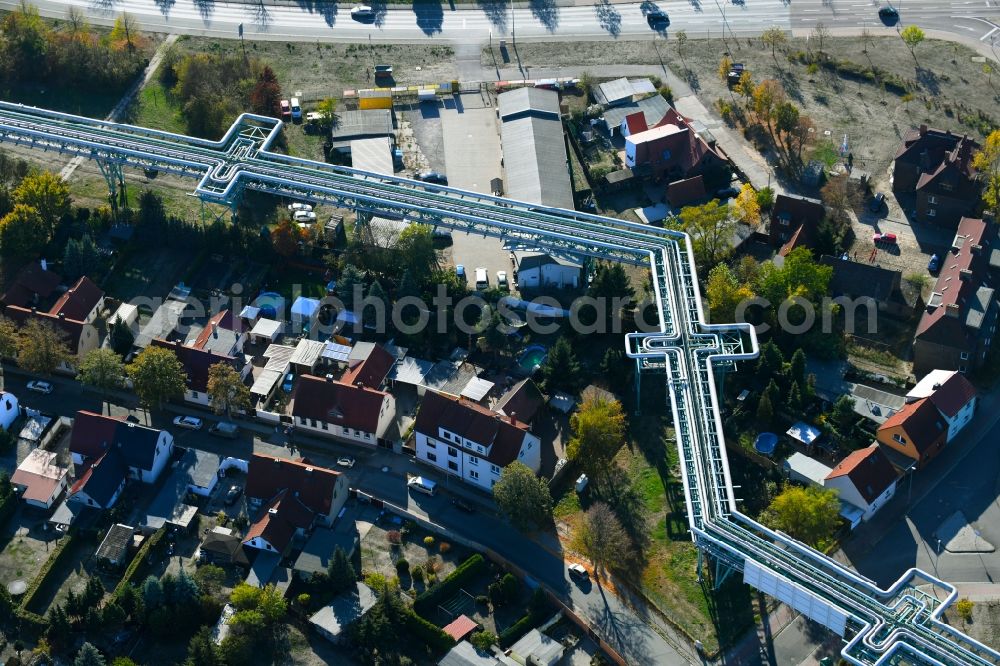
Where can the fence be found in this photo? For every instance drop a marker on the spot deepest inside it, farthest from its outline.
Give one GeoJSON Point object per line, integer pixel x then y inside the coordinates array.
{"type": "Point", "coordinates": [267, 417]}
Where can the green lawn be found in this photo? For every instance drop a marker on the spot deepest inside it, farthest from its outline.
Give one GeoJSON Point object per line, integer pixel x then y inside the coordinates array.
{"type": "Point", "coordinates": [157, 108]}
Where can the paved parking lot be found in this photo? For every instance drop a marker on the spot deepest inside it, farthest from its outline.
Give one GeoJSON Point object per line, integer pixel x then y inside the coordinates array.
{"type": "Point", "coordinates": [472, 158]}
{"type": "Point", "coordinates": [915, 243]}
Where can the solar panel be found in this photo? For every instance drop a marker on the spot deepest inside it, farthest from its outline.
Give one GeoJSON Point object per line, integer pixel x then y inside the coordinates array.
{"type": "Point", "coordinates": [335, 351]}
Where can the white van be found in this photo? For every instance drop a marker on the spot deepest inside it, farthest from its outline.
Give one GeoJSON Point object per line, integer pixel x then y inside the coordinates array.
{"type": "Point", "coordinates": [422, 485]}
{"type": "Point", "coordinates": [482, 279]}
{"type": "Point", "coordinates": [296, 109]}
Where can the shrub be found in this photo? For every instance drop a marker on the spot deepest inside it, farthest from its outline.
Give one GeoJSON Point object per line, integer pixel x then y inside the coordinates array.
{"type": "Point", "coordinates": [426, 633]}
{"type": "Point", "coordinates": [428, 540]}
{"type": "Point", "coordinates": [417, 573]}
{"type": "Point", "coordinates": [812, 68]}
{"type": "Point", "coordinates": [394, 537]}
{"type": "Point", "coordinates": [222, 517]}
{"type": "Point", "coordinates": [465, 572]}
{"type": "Point", "coordinates": [482, 600]}
{"type": "Point", "coordinates": [444, 547]}
{"type": "Point", "coordinates": [432, 565]}
{"type": "Point", "coordinates": [509, 587]}
{"type": "Point", "coordinates": [402, 566]}
{"type": "Point", "coordinates": [483, 640]}
{"type": "Point", "coordinates": [496, 593]}
{"type": "Point", "coordinates": [964, 609]}
{"type": "Point", "coordinates": [304, 600]}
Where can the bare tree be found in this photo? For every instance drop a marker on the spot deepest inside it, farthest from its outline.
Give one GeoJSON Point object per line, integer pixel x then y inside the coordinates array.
{"type": "Point", "coordinates": [601, 538]}
{"type": "Point", "coordinates": [820, 32]}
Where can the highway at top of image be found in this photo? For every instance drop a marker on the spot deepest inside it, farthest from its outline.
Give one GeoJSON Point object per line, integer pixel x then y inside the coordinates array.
{"type": "Point", "coordinates": [539, 19]}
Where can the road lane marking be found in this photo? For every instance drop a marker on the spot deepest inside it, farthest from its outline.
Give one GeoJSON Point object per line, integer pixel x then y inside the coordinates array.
{"type": "Point", "coordinates": [983, 38]}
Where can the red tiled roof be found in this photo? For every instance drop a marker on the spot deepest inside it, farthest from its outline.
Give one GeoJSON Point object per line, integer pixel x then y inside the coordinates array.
{"type": "Point", "coordinates": [79, 301]}
{"type": "Point", "coordinates": [223, 320]}
{"type": "Point", "coordinates": [71, 329]}
{"type": "Point", "coordinates": [335, 402]}
{"type": "Point", "coordinates": [460, 627]}
{"type": "Point", "coordinates": [921, 423]}
{"type": "Point", "coordinates": [196, 362]}
{"type": "Point", "coordinates": [93, 434]}
{"type": "Point", "coordinates": [372, 371]}
{"type": "Point", "coordinates": [869, 470]}
{"type": "Point", "coordinates": [471, 421]}
{"type": "Point", "coordinates": [267, 477]}
{"type": "Point", "coordinates": [281, 517]}
{"type": "Point", "coordinates": [30, 281]}
{"type": "Point", "coordinates": [963, 270]}
{"type": "Point", "coordinates": [953, 395]}
{"type": "Point", "coordinates": [795, 241]}
{"type": "Point", "coordinates": [683, 192]}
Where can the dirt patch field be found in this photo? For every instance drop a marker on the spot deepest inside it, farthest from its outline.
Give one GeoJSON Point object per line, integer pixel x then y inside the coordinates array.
{"type": "Point", "coordinates": [947, 83]}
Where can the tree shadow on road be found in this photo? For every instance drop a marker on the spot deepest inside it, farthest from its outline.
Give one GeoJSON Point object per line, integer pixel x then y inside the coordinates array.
{"type": "Point", "coordinates": [165, 6]}
{"type": "Point", "coordinates": [496, 12]}
{"type": "Point", "coordinates": [547, 13]}
{"type": "Point", "coordinates": [379, 9]}
{"type": "Point", "coordinates": [608, 17]}
{"type": "Point", "coordinates": [205, 8]}
{"type": "Point", "coordinates": [328, 10]}
{"type": "Point", "coordinates": [430, 15]}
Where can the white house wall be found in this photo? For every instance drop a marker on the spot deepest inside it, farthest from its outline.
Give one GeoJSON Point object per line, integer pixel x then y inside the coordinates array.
{"type": "Point", "coordinates": [337, 432]}
{"type": "Point", "coordinates": [961, 419]}
{"type": "Point", "coordinates": [9, 411]}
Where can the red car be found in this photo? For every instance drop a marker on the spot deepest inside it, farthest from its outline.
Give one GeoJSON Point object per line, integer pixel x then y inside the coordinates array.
{"type": "Point", "coordinates": [884, 238]}
{"type": "Point", "coordinates": [286, 110]}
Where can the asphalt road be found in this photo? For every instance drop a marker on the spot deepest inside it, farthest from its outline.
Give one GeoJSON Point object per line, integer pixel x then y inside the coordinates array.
{"type": "Point", "coordinates": [383, 474]}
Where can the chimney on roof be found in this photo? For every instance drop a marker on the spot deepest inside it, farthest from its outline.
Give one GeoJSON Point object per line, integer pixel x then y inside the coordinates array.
{"type": "Point", "coordinates": [965, 275]}
{"type": "Point", "coordinates": [923, 130]}
{"type": "Point", "coordinates": [359, 384]}
{"type": "Point", "coordinates": [513, 418]}
{"type": "Point", "coordinates": [62, 315]}
{"type": "Point", "coordinates": [215, 330]}
{"type": "Point", "coordinates": [952, 310]}
{"type": "Point", "coordinates": [977, 248]}
{"type": "Point", "coordinates": [936, 386]}
{"type": "Point", "coordinates": [273, 511]}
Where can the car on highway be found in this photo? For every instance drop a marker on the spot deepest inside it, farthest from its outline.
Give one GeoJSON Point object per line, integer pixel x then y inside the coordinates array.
{"type": "Point", "coordinates": [297, 206]}
{"type": "Point", "coordinates": [658, 19]}
{"type": "Point", "coordinates": [188, 422]}
{"type": "Point", "coordinates": [362, 13]}
{"type": "Point", "coordinates": [432, 177]}
{"type": "Point", "coordinates": [884, 238]}
{"type": "Point", "coordinates": [346, 461]}
{"type": "Point", "coordinates": [888, 14]}
{"type": "Point", "coordinates": [577, 571]}
{"type": "Point", "coordinates": [233, 494]}
{"type": "Point", "coordinates": [286, 110]}
{"type": "Point", "coordinates": [934, 264]}
{"type": "Point", "coordinates": [38, 386]}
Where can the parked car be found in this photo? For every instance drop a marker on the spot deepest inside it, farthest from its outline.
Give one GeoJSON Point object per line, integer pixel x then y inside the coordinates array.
{"type": "Point", "coordinates": [286, 110]}
{"type": "Point", "coordinates": [463, 505]}
{"type": "Point", "coordinates": [433, 177]}
{"type": "Point", "coordinates": [296, 109]}
{"type": "Point", "coordinates": [578, 571]}
{"type": "Point", "coordinates": [38, 386]}
{"type": "Point", "coordinates": [362, 13]}
{"type": "Point", "coordinates": [188, 422]}
{"type": "Point", "coordinates": [460, 270]}
{"type": "Point", "coordinates": [297, 206]}
{"type": "Point", "coordinates": [884, 238]}
{"type": "Point", "coordinates": [877, 202]}
{"type": "Point", "coordinates": [346, 461]}
{"type": "Point", "coordinates": [658, 19]}
{"type": "Point", "coordinates": [888, 14]}
{"type": "Point", "coordinates": [934, 264]}
{"type": "Point", "coordinates": [502, 280]}
{"type": "Point", "coordinates": [304, 216]}
{"type": "Point", "coordinates": [224, 429]}
{"type": "Point", "coordinates": [286, 385]}
{"type": "Point", "coordinates": [233, 494]}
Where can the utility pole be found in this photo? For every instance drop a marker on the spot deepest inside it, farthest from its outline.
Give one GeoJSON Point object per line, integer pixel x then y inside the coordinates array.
{"type": "Point", "coordinates": [242, 43]}
{"type": "Point", "coordinates": [513, 38]}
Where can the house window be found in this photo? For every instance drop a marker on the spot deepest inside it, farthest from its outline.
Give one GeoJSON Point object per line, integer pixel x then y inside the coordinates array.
{"type": "Point", "coordinates": [474, 474]}
{"type": "Point", "coordinates": [899, 438]}
{"type": "Point", "coordinates": [964, 356]}
{"type": "Point", "coordinates": [961, 368]}
{"type": "Point", "coordinates": [194, 394]}
{"type": "Point", "coordinates": [479, 448]}
{"type": "Point", "coordinates": [452, 465]}
{"type": "Point", "coordinates": [445, 435]}
{"type": "Point", "coordinates": [368, 435]}
{"type": "Point", "coordinates": [347, 431]}
{"type": "Point", "coordinates": [432, 457]}
{"type": "Point", "coordinates": [931, 212]}
{"type": "Point", "coordinates": [495, 470]}
{"type": "Point", "coordinates": [326, 425]}
{"type": "Point", "coordinates": [473, 460]}
{"type": "Point", "coordinates": [452, 451]}
{"type": "Point", "coordinates": [931, 199]}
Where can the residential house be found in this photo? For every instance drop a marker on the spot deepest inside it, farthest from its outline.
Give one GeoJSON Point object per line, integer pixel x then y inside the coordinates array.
{"type": "Point", "coordinates": [223, 335]}
{"type": "Point", "coordinates": [537, 649]}
{"type": "Point", "coordinates": [369, 367]}
{"type": "Point", "coordinates": [624, 119]}
{"type": "Point", "coordinates": [860, 280]}
{"type": "Point", "coordinates": [917, 431]}
{"type": "Point", "coordinates": [536, 269]}
{"type": "Point", "coordinates": [221, 546]}
{"type": "Point", "coordinates": [333, 620]}
{"type": "Point", "coordinates": [317, 553]}
{"type": "Point", "coordinates": [621, 91]}
{"type": "Point", "coordinates": [673, 150]}
{"type": "Point", "coordinates": [951, 393]}
{"type": "Point", "coordinates": [795, 222]}
{"type": "Point", "coordinates": [468, 440]}
{"type": "Point", "coordinates": [936, 166]}
{"type": "Point", "coordinates": [342, 411]}
{"type": "Point", "coordinates": [295, 496]}
{"type": "Point", "coordinates": [960, 318]}
{"type": "Point", "coordinates": [197, 363]}
{"type": "Point", "coordinates": [72, 315]}
{"type": "Point", "coordinates": [144, 451]}
{"type": "Point", "coordinates": [32, 287]}
{"type": "Point", "coordinates": [865, 479]}
{"type": "Point", "coordinates": [102, 483]}
{"type": "Point", "coordinates": [10, 409]}
{"type": "Point", "coordinates": [39, 478]}
{"type": "Point", "coordinates": [522, 401]}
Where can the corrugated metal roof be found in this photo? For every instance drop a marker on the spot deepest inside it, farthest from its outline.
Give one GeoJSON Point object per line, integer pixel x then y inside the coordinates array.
{"type": "Point", "coordinates": [535, 162]}
{"type": "Point", "coordinates": [526, 100]}
{"type": "Point", "coordinates": [477, 389]}
{"type": "Point", "coordinates": [610, 92]}
{"type": "Point", "coordinates": [374, 155]}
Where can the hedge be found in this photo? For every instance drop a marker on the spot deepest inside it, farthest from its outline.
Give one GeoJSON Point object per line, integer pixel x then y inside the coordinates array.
{"type": "Point", "coordinates": [55, 558]}
{"type": "Point", "coordinates": [538, 608]}
{"type": "Point", "coordinates": [139, 558]}
{"type": "Point", "coordinates": [427, 633]}
{"type": "Point", "coordinates": [7, 508]}
{"type": "Point", "coordinates": [466, 571]}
